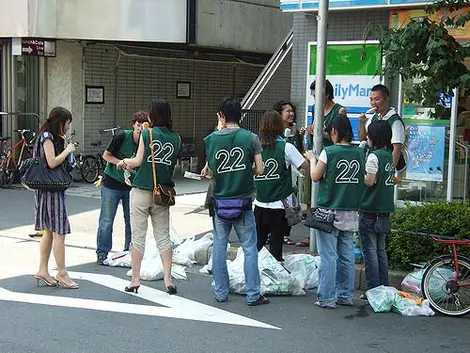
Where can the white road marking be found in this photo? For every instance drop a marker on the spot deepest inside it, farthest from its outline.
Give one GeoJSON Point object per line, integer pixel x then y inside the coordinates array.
{"type": "Point", "coordinates": [173, 306]}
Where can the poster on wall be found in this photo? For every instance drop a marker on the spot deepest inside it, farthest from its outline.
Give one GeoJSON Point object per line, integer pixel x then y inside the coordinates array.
{"type": "Point", "coordinates": [351, 68]}
{"type": "Point", "coordinates": [426, 148]}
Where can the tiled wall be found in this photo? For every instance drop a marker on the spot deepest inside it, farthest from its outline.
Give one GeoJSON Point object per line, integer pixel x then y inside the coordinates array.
{"type": "Point", "coordinates": [342, 26]}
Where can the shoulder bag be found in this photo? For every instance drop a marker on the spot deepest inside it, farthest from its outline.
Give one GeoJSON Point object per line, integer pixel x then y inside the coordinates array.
{"type": "Point", "coordinates": [293, 213]}
{"type": "Point", "coordinates": [320, 220]}
{"type": "Point", "coordinates": [163, 195]}
{"type": "Point", "coordinates": [36, 174]}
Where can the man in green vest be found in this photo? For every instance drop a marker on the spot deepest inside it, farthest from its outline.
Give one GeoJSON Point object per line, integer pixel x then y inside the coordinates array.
{"type": "Point", "coordinates": [231, 153]}
{"type": "Point", "coordinates": [114, 188]}
{"type": "Point", "coordinates": [380, 103]}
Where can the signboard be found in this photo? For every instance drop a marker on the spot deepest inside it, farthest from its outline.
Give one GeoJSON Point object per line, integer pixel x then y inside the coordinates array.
{"type": "Point", "coordinates": [94, 94]}
{"type": "Point", "coordinates": [399, 18]}
{"type": "Point", "coordinates": [312, 5]}
{"type": "Point", "coordinates": [426, 148]}
{"type": "Point", "coordinates": [37, 47]}
{"type": "Point", "coordinates": [351, 73]}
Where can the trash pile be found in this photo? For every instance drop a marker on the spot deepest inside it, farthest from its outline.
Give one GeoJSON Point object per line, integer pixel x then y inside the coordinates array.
{"type": "Point", "coordinates": [385, 299]}
{"type": "Point", "coordinates": [298, 273]}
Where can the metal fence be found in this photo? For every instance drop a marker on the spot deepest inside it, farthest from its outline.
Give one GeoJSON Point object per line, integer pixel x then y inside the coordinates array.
{"type": "Point", "coordinates": [251, 119]}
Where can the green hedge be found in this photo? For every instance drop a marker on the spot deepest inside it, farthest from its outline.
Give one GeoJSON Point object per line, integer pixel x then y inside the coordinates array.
{"type": "Point", "coordinates": [441, 218]}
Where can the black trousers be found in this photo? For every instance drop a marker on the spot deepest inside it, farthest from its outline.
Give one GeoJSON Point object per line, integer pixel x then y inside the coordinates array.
{"type": "Point", "coordinates": [274, 222]}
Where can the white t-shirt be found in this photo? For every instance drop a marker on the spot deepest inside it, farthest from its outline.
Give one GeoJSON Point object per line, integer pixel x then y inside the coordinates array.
{"type": "Point", "coordinates": [293, 159]}
{"type": "Point", "coordinates": [372, 165]}
{"type": "Point", "coordinates": [398, 130]}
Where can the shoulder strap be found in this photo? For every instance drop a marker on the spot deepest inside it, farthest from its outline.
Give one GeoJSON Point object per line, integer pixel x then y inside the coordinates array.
{"type": "Point", "coordinates": [154, 167]}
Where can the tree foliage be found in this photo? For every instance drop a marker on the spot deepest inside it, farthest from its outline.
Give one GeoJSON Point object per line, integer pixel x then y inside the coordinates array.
{"type": "Point", "coordinates": [424, 50]}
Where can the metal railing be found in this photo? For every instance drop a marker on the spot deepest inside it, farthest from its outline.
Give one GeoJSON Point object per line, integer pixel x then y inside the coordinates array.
{"type": "Point", "coordinates": [251, 119]}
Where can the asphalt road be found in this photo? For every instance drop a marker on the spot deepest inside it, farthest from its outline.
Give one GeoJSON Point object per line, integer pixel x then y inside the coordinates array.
{"type": "Point", "coordinates": [101, 317]}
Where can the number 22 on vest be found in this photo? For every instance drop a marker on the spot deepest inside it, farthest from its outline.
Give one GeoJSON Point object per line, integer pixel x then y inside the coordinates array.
{"type": "Point", "coordinates": [348, 171]}
{"type": "Point", "coordinates": [230, 161]}
{"type": "Point", "coordinates": [162, 152]}
{"type": "Point", "coordinates": [271, 167]}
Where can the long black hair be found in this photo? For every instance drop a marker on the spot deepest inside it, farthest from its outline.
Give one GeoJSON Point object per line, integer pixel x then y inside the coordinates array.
{"type": "Point", "coordinates": [343, 127]}
{"type": "Point", "coordinates": [54, 124]}
{"type": "Point", "coordinates": [160, 113]}
{"type": "Point", "coordinates": [380, 134]}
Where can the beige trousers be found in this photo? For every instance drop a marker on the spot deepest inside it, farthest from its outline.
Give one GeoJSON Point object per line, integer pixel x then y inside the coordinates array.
{"type": "Point", "coordinates": [142, 207]}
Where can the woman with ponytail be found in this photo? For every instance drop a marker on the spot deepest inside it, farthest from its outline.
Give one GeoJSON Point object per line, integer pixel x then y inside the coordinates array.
{"type": "Point", "coordinates": [51, 211]}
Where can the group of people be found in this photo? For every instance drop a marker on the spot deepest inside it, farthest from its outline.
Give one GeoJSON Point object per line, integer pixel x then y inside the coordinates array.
{"type": "Point", "coordinates": [355, 185]}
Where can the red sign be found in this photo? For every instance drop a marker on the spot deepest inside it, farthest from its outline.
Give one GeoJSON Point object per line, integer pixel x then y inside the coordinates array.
{"type": "Point", "coordinates": [37, 47]}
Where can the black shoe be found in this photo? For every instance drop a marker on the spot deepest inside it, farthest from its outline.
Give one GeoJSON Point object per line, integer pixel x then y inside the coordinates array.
{"type": "Point", "coordinates": [260, 301]}
{"type": "Point", "coordinates": [363, 296]}
{"type": "Point", "coordinates": [100, 259]}
{"type": "Point", "coordinates": [171, 290]}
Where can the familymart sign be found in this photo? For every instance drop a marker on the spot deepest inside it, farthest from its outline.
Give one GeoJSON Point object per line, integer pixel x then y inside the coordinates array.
{"type": "Point", "coordinates": [351, 68]}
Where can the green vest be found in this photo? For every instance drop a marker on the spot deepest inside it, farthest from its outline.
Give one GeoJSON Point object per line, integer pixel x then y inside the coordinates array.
{"type": "Point", "coordinates": [379, 198]}
{"type": "Point", "coordinates": [230, 157]}
{"type": "Point", "coordinates": [275, 184]}
{"type": "Point", "coordinates": [343, 183]}
{"type": "Point", "coordinates": [126, 150]}
{"type": "Point", "coordinates": [327, 119]}
{"type": "Point", "coordinates": [166, 146]}
{"type": "Point", "coordinates": [390, 120]}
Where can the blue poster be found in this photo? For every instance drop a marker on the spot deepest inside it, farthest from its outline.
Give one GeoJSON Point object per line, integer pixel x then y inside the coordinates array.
{"type": "Point", "coordinates": [426, 148]}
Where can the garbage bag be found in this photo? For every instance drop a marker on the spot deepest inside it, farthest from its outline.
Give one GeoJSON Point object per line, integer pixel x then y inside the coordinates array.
{"type": "Point", "coordinates": [207, 269]}
{"type": "Point", "coordinates": [184, 254]}
{"type": "Point", "coordinates": [304, 269]}
{"type": "Point", "coordinates": [412, 283]}
{"type": "Point", "coordinates": [411, 307]}
{"type": "Point", "coordinates": [152, 270]}
{"type": "Point", "coordinates": [381, 298]}
{"type": "Point", "coordinates": [274, 278]}
{"type": "Point", "coordinates": [122, 259]}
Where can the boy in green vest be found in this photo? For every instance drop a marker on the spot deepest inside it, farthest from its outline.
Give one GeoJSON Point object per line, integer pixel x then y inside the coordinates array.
{"type": "Point", "coordinates": [231, 153]}
{"type": "Point", "coordinates": [377, 203]}
{"type": "Point", "coordinates": [114, 188]}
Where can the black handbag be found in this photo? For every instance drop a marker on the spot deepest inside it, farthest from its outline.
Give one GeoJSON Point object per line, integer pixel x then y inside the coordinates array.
{"type": "Point", "coordinates": [35, 174]}
{"type": "Point", "coordinates": [320, 220]}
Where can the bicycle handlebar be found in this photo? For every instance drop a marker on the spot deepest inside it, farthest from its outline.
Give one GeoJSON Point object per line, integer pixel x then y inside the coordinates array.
{"type": "Point", "coordinates": [22, 131]}
{"type": "Point", "coordinates": [112, 130]}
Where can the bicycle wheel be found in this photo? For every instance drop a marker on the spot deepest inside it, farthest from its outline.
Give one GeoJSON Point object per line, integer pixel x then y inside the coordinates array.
{"type": "Point", "coordinates": [76, 173]}
{"type": "Point", "coordinates": [90, 169]}
{"type": "Point", "coordinates": [445, 294]}
{"type": "Point", "coordinates": [8, 176]}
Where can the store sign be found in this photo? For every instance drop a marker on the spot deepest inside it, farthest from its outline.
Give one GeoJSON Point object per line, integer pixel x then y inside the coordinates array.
{"type": "Point", "coordinates": [400, 18]}
{"type": "Point", "coordinates": [309, 5]}
{"type": "Point", "coordinates": [38, 47]}
{"type": "Point", "coordinates": [351, 69]}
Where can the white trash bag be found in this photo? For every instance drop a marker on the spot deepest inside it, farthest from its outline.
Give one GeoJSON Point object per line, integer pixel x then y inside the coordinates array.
{"type": "Point", "coordinates": [409, 307]}
{"type": "Point", "coordinates": [381, 298]}
{"type": "Point", "coordinates": [184, 254]}
{"type": "Point", "coordinates": [304, 269]}
{"type": "Point", "coordinates": [122, 259]}
{"type": "Point", "coordinates": [412, 283]}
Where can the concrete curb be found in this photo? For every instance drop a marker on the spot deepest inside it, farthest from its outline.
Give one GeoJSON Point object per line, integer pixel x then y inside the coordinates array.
{"type": "Point", "coordinates": [394, 277]}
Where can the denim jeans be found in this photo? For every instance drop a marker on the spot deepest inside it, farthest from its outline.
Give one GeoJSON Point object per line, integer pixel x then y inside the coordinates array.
{"type": "Point", "coordinates": [373, 231]}
{"type": "Point", "coordinates": [337, 272]}
{"type": "Point", "coordinates": [245, 228]}
{"type": "Point", "coordinates": [110, 199]}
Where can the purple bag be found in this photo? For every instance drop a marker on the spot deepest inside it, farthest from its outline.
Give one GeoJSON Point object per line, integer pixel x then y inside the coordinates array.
{"type": "Point", "coordinates": [231, 210]}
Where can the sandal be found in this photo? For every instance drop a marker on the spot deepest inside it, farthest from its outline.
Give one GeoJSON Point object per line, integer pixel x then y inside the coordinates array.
{"type": "Point", "coordinates": [304, 243]}
{"type": "Point", "coordinates": [288, 241]}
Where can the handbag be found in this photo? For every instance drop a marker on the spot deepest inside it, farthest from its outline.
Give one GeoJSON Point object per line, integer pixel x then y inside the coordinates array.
{"type": "Point", "coordinates": [293, 213]}
{"type": "Point", "coordinates": [36, 174]}
{"type": "Point", "coordinates": [233, 209]}
{"type": "Point", "coordinates": [163, 195]}
{"type": "Point", "coordinates": [320, 220]}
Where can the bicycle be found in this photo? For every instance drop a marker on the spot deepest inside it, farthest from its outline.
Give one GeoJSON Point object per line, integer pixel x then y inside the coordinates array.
{"type": "Point", "coordinates": [93, 166]}
{"type": "Point", "coordinates": [77, 161]}
{"type": "Point", "coordinates": [8, 165]}
{"type": "Point", "coordinates": [446, 280]}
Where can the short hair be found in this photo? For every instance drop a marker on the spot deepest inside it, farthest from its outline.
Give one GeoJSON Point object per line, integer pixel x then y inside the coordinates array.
{"type": "Point", "coordinates": [329, 91]}
{"type": "Point", "coordinates": [343, 126]}
{"type": "Point", "coordinates": [231, 108]}
{"type": "Point", "coordinates": [160, 113]}
{"type": "Point", "coordinates": [280, 105]}
{"type": "Point", "coordinates": [382, 89]}
{"type": "Point", "coordinates": [380, 134]}
{"type": "Point", "coordinates": [140, 116]}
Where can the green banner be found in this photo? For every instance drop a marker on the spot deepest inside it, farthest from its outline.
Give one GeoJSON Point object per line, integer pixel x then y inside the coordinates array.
{"type": "Point", "coordinates": [348, 59]}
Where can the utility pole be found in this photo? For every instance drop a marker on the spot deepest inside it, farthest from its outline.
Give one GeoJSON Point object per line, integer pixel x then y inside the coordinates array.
{"type": "Point", "coordinates": [322, 28]}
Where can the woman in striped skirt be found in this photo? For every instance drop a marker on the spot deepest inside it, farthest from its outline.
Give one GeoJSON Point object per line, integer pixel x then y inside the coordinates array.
{"type": "Point", "coordinates": [51, 211]}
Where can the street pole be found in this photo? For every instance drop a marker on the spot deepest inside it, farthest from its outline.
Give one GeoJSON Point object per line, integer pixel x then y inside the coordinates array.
{"type": "Point", "coordinates": [452, 143]}
{"type": "Point", "coordinates": [322, 28]}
